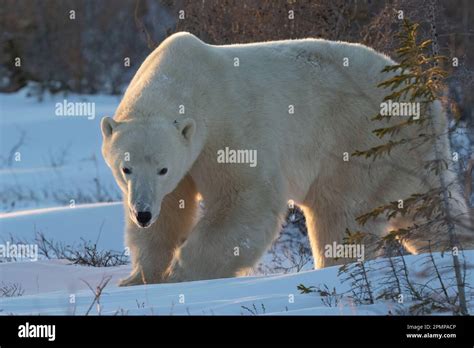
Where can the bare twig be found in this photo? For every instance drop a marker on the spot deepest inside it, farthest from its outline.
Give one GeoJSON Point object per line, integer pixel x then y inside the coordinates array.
{"type": "Point", "coordinates": [8, 161]}
{"type": "Point", "coordinates": [11, 290]}
{"type": "Point", "coordinates": [468, 179]}
{"type": "Point", "coordinates": [97, 292]}
{"type": "Point", "coordinates": [440, 279]}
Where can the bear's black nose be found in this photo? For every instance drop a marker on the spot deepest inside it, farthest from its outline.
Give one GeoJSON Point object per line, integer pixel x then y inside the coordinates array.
{"type": "Point", "coordinates": [143, 217]}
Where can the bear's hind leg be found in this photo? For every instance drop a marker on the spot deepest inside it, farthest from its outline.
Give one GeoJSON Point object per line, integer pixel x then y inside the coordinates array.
{"type": "Point", "coordinates": [327, 218]}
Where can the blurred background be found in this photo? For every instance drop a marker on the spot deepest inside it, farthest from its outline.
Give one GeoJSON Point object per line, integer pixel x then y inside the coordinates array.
{"type": "Point", "coordinates": [86, 54]}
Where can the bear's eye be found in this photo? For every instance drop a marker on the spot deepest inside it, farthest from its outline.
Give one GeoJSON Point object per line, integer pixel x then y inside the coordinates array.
{"type": "Point", "coordinates": [126, 170]}
{"type": "Point", "coordinates": [163, 171]}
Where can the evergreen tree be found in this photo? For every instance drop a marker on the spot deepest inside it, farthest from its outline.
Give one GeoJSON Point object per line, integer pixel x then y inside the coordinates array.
{"type": "Point", "coordinates": [418, 78]}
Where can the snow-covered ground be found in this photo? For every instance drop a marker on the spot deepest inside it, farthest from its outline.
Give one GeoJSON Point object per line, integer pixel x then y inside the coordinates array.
{"type": "Point", "coordinates": [61, 288]}
{"type": "Point", "coordinates": [49, 285]}
{"type": "Point", "coordinates": [47, 160]}
{"type": "Point", "coordinates": [54, 182]}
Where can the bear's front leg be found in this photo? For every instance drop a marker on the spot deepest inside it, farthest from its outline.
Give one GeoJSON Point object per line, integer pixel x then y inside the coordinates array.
{"type": "Point", "coordinates": [151, 251]}
{"type": "Point", "coordinates": [231, 237]}
{"type": "Point", "coordinates": [152, 248]}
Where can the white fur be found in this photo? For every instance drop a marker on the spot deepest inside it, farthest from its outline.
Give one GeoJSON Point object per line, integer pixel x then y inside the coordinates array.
{"type": "Point", "coordinates": [300, 155]}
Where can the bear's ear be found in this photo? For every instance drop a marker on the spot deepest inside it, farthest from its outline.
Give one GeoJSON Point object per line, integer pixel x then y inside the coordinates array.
{"type": "Point", "coordinates": [107, 125]}
{"type": "Point", "coordinates": [186, 127]}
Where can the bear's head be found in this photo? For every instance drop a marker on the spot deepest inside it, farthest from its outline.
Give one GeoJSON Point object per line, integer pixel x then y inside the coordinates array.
{"type": "Point", "coordinates": [148, 160]}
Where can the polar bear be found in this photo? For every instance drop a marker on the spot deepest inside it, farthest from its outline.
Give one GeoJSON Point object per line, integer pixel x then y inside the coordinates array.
{"type": "Point", "coordinates": [248, 127]}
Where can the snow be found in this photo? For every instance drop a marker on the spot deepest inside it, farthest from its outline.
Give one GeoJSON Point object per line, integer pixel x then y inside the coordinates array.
{"type": "Point", "coordinates": [49, 285]}
{"type": "Point", "coordinates": [224, 296]}
{"type": "Point", "coordinates": [60, 156]}
{"type": "Point", "coordinates": [102, 221]}
{"type": "Point", "coordinates": [62, 188]}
